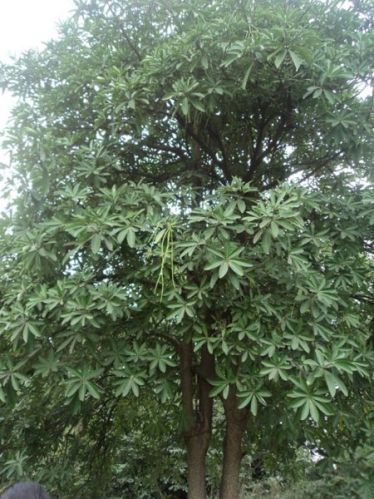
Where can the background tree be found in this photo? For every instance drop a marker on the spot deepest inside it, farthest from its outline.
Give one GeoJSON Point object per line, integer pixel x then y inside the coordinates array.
{"type": "Point", "coordinates": [193, 215]}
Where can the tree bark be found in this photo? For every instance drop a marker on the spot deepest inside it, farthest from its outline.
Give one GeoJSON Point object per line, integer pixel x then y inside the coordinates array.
{"type": "Point", "coordinates": [236, 420]}
{"type": "Point", "coordinates": [198, 417]}
{"type": "Point", "coordinates": [196, 469]}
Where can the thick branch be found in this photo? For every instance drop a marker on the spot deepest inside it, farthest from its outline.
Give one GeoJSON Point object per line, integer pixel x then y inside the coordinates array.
{"type": "Point", "coordinates": [185, 352]}
{"type": "Point", "coordinates": [195, 136]}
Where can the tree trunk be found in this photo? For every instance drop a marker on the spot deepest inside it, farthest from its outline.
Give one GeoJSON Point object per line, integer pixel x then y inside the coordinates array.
{"type": "Point", "coordinates": [198, 417]}
{"type": "Point", "coordinates": [196, 472]}
{"type": "Point", "coordinates": [236, 420]}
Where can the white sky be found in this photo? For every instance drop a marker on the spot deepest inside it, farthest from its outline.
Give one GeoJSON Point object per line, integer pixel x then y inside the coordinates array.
{"type": "Point", "coordinates": [26, 24]}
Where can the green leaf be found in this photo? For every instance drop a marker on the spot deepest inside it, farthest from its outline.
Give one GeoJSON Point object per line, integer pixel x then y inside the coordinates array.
{"type": "Point", "coordinates": [185, 106]}
{"type": "Point", "coordinates": [245, 402]}
{"type": "Point", "coordinates": [96, 243]}
{"type": "Point", "coordinates": [313, 411]}
{"type": "Point", "coordinates": [130, 238]}
{"type": "Point", "coordinates": [254, 406]}
{"type": "Point", "coordinates": [274, 229]}
{"type": "Point", "coordinates": [333, 383]}
{"type": "Point", "coordinates": [280, 58]}
{"type": "Point", "coordinates": [71, 389]}
{"type": "Point", "coordinates": [93, 390]}
{"type": "Point", "coordinates": [305, 410]}
{"type": "Point", "coordinates": [245, 80]}
{"type": "Point", "coordinates": [213, 265]}
{"type": "Point", "coordinates": [257, 236]}
{"type": "Point", "coordinates": [82, 392]}
{"type": "Point", "coordinates": [236, 267]}
{"type": "Point", "coordinates": [198, 105]}
{"type": "Point", "coordinates": [160, 234]}
{"type": "Point", "coordinates": [225, 392]}
{"type": "Point", "coordinates": [223, 270]}
{"type": "Point", "coordinates": [296, 59]}
{"type": "Point", "coordinates": [266, 242]}
{"type": "Point", "coordinates": [217, 389]}
{"type": "Point", "coordinates": [241, 205]}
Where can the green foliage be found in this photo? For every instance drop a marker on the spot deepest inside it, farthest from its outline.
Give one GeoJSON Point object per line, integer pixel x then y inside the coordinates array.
{"type": "Point", "coordinates": [202, 180]}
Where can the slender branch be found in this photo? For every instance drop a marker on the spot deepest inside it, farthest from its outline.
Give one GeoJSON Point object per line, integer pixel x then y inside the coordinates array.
{"type": "Point", "coordinates": [321, 163]}
{"type": "Point", "coordinates": [170, 339]}
{"type": "Point", "coordinates": [127, 38]}
{"type": "Point", "coordinates": [176, 150]}
{"type": "Point", "coordinates": [364, 298]}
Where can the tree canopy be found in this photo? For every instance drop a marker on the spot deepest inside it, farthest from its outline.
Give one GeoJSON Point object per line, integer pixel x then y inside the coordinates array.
{"type": "Point", "coordinates": [193, 222]}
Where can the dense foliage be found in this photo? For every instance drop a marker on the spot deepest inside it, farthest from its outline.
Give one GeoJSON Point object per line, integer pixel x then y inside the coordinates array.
{"type": "Point", "coordinates": [193, 228]}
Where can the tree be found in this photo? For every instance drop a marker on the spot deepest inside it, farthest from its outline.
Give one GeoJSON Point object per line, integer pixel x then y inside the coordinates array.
{"type": "Point", "coordinates": [193, 214]}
